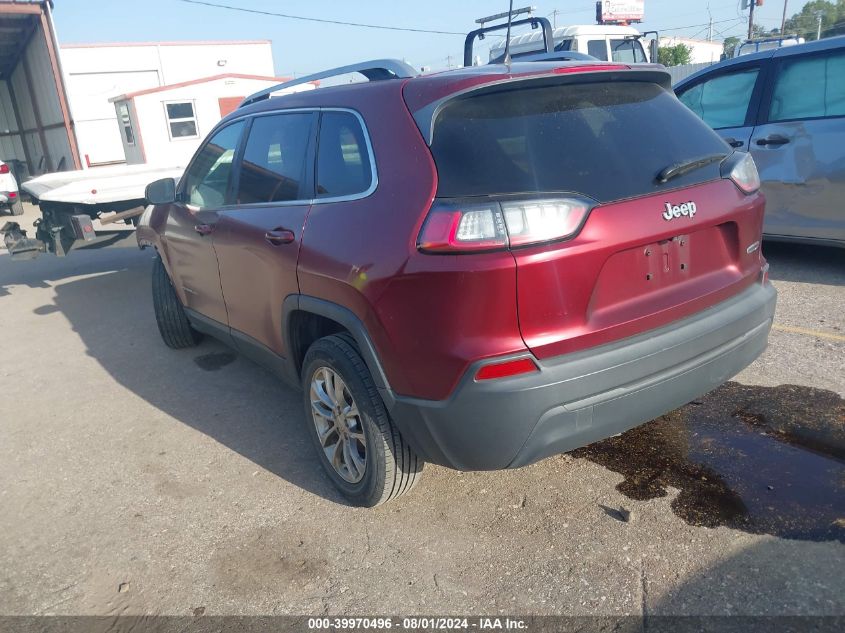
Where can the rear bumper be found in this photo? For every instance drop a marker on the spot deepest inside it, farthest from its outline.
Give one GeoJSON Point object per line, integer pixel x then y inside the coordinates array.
{"type": "Point", "coordinates": [583, 397]}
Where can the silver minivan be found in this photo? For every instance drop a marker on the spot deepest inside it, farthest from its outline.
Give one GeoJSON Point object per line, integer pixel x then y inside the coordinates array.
{"type": "Point", "coordinates": [787, 107]}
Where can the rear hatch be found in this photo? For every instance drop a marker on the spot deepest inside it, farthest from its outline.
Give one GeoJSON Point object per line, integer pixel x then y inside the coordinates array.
{"type": "Point", "coordinates": [644, 245]}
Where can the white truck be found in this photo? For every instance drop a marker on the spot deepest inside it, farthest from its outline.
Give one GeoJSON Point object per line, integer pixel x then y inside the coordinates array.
{"type": "Point", "coordinates": [72, 201]}
{"type": "Point", "coordinates": [602, 41]}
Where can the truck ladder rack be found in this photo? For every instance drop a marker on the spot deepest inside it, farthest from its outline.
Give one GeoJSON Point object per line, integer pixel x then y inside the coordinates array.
{"type": "Point", "coordinates": [374, 70]}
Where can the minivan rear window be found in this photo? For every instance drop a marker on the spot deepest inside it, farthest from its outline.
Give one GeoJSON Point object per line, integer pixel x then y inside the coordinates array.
{"type": "Point", "coordinates": [607, 141]}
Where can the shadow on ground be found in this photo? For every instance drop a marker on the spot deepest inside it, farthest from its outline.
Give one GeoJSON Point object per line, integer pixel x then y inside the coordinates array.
{"type": "Point", "coordinates": [49, 268]}
{"type": "Point", "coordinates": [805, 263]}
{"type": "Point", "coordinates": [768, 586]}
{"type": "Point", "coordinates": [209, 388]}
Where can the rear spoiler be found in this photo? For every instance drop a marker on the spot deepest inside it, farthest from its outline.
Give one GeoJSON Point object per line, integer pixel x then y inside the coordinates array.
{"type": "Point", "coordinates": [426, 116]}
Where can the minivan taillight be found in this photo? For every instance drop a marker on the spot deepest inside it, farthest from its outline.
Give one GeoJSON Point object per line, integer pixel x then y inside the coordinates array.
{"type": "Point", "coordinates": [740, 168]}
{"type": "Point", "coordinates": [465, 227]}
{"type": "Point", "coordinates": [4, 169]}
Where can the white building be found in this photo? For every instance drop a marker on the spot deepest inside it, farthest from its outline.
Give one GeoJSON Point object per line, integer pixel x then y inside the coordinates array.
{"type": "Point", "coordinates": [96, 73]}
{"type": "Point", "coordinates": [703, 51]}
{"type": "Point", "coordinates": [165, 125]}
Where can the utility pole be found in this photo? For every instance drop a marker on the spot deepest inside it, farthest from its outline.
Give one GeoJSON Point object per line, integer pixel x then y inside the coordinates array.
{"type": "Point", "coordinates": [751, 19]}
{"type": "Point", "coordinates": [819, 16]}
{"type": "Point", "coordinates": [783, 20]}
{"type": "Point", "coordinates": [448, 61]}
{"type": "Point", "coordinates": [710, 25]}
{"type": "Point", "coordinates": [554, 18]}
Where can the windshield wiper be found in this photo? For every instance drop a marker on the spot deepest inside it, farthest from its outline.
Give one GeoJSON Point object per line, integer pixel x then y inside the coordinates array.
{"type": "Point", "coordinates": [679, 169]}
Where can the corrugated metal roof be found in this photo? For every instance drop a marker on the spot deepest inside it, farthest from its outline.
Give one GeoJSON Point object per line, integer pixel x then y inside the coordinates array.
{"type": "Point", "coordinates": [42, 2]}
{"type": "Point", "coordinates": [18, 20]}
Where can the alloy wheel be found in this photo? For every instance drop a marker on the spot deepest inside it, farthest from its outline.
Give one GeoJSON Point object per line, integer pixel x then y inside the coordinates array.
{"type": "Point", "coordinates": [337, 420]}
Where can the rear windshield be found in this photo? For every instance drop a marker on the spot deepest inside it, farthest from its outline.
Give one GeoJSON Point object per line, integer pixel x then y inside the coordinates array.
{"type": "Point", "coordinates": [604, 140]}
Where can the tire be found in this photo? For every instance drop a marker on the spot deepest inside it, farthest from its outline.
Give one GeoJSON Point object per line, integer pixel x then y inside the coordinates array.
{"type": "Point", "coordinates": [173, 325]}
{"type": "Point", "coordinates": [391, 468]}
{"type": "Point", "coordinates": [16, 208]}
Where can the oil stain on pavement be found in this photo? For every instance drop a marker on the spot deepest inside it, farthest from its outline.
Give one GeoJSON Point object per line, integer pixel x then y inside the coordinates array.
{"type": "Point", "coordinates": [765, 460]}
{"type": "Point", "coordinates": [215, 360]}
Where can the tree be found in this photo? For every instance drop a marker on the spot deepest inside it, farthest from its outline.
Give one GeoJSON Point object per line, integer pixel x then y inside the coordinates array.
{"type": "Point", "coordinates": [676, 55]}
{"type": "Point", "coordinates": [729, 45]}
{"type": "Point", "coordinates": [805, 23]}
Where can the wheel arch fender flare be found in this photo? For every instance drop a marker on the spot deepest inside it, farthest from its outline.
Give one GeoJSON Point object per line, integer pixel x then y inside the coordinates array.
{"type": "Point", "coordinates": [346, 318]}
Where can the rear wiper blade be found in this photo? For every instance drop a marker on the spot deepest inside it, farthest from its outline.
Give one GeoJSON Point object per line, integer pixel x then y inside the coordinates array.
{"type": "Point", "coordinates": [679, 169]}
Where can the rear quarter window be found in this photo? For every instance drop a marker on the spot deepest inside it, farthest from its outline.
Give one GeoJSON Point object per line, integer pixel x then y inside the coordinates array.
{"type": "Point", "coordinates": [607, 141]}
{"type": "Point", "coordinates": [343, 160]}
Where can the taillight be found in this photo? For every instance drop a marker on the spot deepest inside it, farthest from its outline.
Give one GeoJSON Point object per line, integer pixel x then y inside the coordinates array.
{"type": "Point", "coordinates": [467, 227]}
{"type": "Point", "coordinates": [4, 169]}
{"type": "Point", "coordinates": [743, 172]}
{"type": "Point", "coordinates": [464, 227]}
{"type": "Point", "coordinates": [505, 369]}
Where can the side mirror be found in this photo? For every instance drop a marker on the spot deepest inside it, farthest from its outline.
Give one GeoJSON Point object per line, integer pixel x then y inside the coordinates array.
{"type": "Point", "coordinates": [653, 45]}
{"type": "Point", "coordinates": [161, 191]}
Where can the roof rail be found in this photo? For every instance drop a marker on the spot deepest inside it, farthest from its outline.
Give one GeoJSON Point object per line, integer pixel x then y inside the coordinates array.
{"type": "Point", "coordinates": [374, 70]}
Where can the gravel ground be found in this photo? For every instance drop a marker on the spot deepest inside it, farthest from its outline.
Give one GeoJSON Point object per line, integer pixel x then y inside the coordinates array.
{"type": "Point", "coordinates": [139, 480]}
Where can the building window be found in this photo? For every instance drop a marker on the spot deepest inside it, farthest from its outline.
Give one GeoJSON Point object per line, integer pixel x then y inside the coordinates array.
{"type": "Point", "coordinates": [126, 123]}
{"type": "Point", "coordinates": [181, 120]}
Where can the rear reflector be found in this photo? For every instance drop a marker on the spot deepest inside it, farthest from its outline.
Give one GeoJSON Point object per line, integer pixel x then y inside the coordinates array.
{"type": "Point", "coordinates": [13, 194]}
{"type": "Point", "coordinates": [507, 368]}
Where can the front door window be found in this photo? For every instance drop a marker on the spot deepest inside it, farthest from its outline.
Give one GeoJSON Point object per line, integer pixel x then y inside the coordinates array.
{"type": "Point", "coordinates": [208, 179]}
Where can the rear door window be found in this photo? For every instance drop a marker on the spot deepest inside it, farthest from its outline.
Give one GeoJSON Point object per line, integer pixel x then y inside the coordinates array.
{"type": "Point", "coordinates": [809, 88]}
{"type": "Point", "coordinates": [722, 102]}
{"type": "Point", "coordinates": [343, 160]}
{"type": "Point", "coordinates": [604, 140]}
{"type": "Point", "coordinates": [274, 162]}
{"type": "Point", "coordinates": [598, 49]}
{"type": "Point", "coordinates": [627, 51]}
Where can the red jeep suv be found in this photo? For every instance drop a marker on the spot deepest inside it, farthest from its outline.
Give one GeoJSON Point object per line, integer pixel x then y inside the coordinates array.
{"type": "Point", "coordinates": [478, 268]}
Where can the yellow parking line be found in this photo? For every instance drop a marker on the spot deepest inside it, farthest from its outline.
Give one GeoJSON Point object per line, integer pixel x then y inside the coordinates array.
{"type": "Point", "coordinates": [801, 330]}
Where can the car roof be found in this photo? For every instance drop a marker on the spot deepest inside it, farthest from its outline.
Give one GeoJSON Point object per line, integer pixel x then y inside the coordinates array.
{"type": "Point", "coordinates": [421, 90]}
{"type": "Point", "coordinates": [830, 43]}
{"type": "Point", "coordinates": [473, 74]}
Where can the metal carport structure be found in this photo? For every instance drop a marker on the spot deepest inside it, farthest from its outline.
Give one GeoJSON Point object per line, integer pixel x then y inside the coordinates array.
{"type": "Point", "coordinates": [36, 127]}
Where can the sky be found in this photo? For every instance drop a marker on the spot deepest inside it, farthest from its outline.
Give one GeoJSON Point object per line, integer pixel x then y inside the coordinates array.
{"type": "Point", "coordinates": [301, 47]}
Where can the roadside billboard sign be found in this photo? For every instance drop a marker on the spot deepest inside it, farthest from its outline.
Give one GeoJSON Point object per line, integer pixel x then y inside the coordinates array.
{"type": "Point", "coordinates": [621, 10]}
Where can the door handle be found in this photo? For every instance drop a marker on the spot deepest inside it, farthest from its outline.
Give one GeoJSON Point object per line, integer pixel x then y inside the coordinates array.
{"type": "Point", "coordinates": [733, 142]}
{"type": "Point", "coordinates": [204, 229]}
{"type": "Point", "coordinates": [279, 236]}
{"type": "Point", "coordinates": [774, 139]}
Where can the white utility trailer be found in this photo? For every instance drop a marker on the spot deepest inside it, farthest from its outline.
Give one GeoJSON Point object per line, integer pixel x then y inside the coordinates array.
{"type": "Point", "coordinates": [71, 201]}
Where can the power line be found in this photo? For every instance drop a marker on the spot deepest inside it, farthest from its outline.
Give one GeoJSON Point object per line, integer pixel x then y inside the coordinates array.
{"type": "Point", "coordinates": [706, 24]}
{"type": "Point", "coordinates": [321, 20]}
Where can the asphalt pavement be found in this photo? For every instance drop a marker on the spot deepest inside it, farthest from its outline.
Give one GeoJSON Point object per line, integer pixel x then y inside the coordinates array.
{"type": "Point", "coordinates": [135, 479]}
